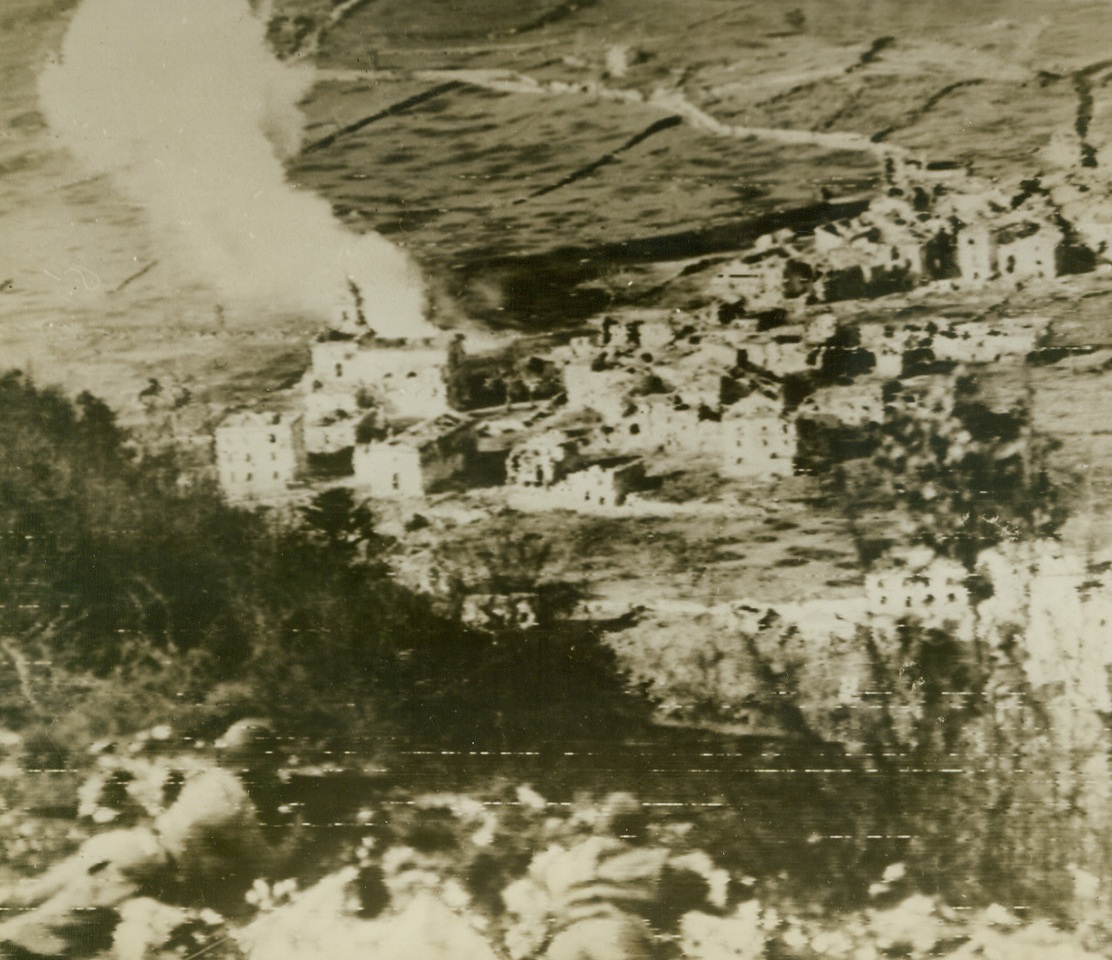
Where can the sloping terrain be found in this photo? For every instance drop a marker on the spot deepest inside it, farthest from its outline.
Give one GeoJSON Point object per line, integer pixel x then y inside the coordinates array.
{"type": "Point", "coordinates": [558, 132]}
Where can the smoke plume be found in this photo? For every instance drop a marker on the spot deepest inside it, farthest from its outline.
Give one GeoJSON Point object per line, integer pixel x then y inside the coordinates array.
{"type": "Point", "coordinates": [190, 113]}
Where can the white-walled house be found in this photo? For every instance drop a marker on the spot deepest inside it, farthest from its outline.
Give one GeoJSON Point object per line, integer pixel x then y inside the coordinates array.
{"type": "Point", "coordinates": [919, 584]}
{"type": "Point", "coordinates": [577, 349]}
{"type": "Point", "coordinates": [258, 454]}
{"type": "Point", "coordinates": [1062, 603]}
{"type": "Point", "coordinates": [1010, 252]}
{"type": "Point", "coordinates": [819, 329]}
{"type": "Point", "coordinates": [405, 377]}
{"type": "Point", "coordinates": [663, 423]}
{"type": "Point", "coordinates": [541, 460]}
{"type": "Point", "coordinates": [1027, 251]}
{"type": "Point", "coordinates": [583, 485]}
{"type": "Point", "coordinates": [331, 418]}
{"type": "Point", "coordinates": [605, 483]}
{"type": "Point", "coordinates": [757, 440]}
{"type": "Point", "coordinates": [414, 462]}
{"type": "Point", "coordinates": [976, 254]}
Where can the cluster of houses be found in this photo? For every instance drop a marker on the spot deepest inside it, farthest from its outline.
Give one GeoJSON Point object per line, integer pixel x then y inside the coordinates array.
{"type": "Point", "coordinates": [720, 389]}
{"type": "Point", "coordinates": [928, 228]}
{"type": "Point", "coordinates": [641, 391]}
{"type": "Point", "coordinates": [380, 406]}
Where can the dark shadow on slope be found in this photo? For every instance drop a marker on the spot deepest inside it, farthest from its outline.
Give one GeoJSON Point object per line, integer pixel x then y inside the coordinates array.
{"type": "Point", "coordinates": [928, 105]}
{"type": "Point", "coordinates": [876, 48]}
{"type": "Point", "coordinates": [393, 110]}
{"type": "Point", "coordinates": [654, 128]}
{"type": "Point", "coordinates": [548, 290]}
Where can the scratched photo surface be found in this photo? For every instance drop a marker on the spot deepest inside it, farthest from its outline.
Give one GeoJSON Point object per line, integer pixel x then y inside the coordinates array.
{"type": "Point", "coordinates": [555, 479]}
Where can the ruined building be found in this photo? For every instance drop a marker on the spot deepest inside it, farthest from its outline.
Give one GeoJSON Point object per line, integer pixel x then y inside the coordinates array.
{"type": "Point", "coordinates": [258, 454]}
{"type": "Point", "coordinates": [415, 462]}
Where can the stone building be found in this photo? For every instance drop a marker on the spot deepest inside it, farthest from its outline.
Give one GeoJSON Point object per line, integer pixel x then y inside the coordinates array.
{"type": "Point", "coordinates": [920, 584]}
{"type": "Point", "coordinates": [541, 460]}
{"type": "Point", "coordinates": [331, 418]}
{"type": "Point", "coordinates": [757, 440]}
{"type": "Point", "coordinates": [406, 378]}
{"type": "Point", "coordinates": [604, 483]}
{"type": "Point", "coordinates": [820, 329]}
{"type": "Point", "coordinates": [414, 462]}
{"type": "Point", "coordinates": [1027, 251]}
{"type": "Point", "coordinates": [586, 485]}
{"type": "Point", "coordinates": [1061, 602]}
{"type": "Point", "coordinates": [715, 353]}
{"type": "Point", "coordinates": [1010, 252]}
{"type": "Point", "coordinates": [664, 423]}
{"type": "Point", "coordinates": [258, 454]}
{"type": "Point", "coordinates": [581, 348]}
{"type": "Point", "coordinates": [976, 253]}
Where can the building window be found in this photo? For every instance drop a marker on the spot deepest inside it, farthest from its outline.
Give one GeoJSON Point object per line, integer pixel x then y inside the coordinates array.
{"type": "Point", "coordinates": [250, 477]}
{"type": "Point", "coordinates": [339, 370]}
{"type": "Point", "coordinates": [275, 474]}
{"type": "Point", "coordinates": [396, 482]}
{"type": "Point", "coordinates": [273, 438]}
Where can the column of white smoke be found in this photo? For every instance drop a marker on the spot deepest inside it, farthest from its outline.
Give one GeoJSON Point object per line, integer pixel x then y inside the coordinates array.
{"type": "Point", "coordinates": [186, 108]}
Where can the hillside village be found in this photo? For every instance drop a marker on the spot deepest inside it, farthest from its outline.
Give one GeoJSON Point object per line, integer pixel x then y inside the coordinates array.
{"type": "Point", "coordinates": [758, 383]}
{"type": "Point", "coordinates": [726, 383]}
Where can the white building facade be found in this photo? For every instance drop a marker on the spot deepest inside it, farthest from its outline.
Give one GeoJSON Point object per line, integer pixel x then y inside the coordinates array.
{"type": "Point", "coordinates": [407, 378]}
{"type": "Point", "coordinates": [757, 440]}
{"type": "Point", "coordinates": [411, 464]}
{"type": "Point", "coordinates": [258, 455]}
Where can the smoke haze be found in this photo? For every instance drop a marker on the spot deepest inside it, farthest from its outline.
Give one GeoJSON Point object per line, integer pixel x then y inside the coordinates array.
{"type": "Point", "coordinates": [190, 113]}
